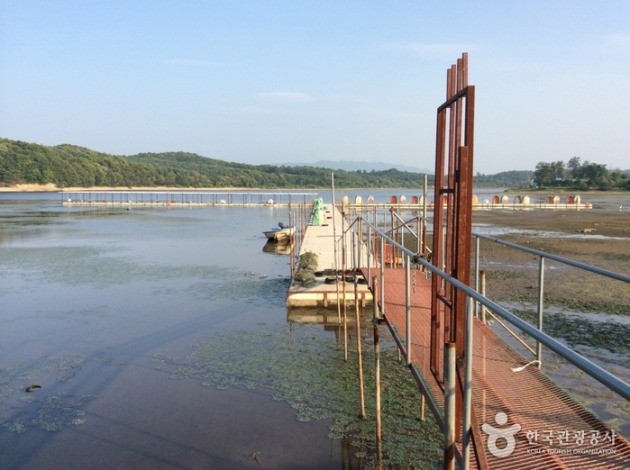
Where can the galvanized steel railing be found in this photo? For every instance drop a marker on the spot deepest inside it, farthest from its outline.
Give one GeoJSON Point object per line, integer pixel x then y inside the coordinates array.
{"type": "Point", "coordinates": [586, 365]}
{"type": "Point", "coordinates": [542, 256]}
{"type": "Point", "coordinates": [367, 234]}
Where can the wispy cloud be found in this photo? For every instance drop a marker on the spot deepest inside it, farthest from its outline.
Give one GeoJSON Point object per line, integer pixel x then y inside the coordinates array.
{"type": "Point", "coordinates": [190, 62]}
{"type": "Point", "coordinates": [428, 48]}
{"type": "Point", "coordinates": [288, 96]}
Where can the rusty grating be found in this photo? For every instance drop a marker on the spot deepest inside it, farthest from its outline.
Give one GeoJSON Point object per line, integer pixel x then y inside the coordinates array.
{"type": "Point", "coordinates": [528, 398]}
{"type": "Point", "coordinates": [519, 418]}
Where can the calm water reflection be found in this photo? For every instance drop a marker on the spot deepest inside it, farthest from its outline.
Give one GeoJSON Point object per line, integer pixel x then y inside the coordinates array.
{"type": "Point", "coordinates": [89, 297]}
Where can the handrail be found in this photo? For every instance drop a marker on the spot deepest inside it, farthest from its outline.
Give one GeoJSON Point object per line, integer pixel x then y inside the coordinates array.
{"type": "Point", "coordinates": [603, 376]}
{"type": "Point", "coordinates": [570, 262]}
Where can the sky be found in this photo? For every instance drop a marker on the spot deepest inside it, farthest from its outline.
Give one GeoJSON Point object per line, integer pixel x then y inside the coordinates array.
{"type": "Point", "coordinates": [300, 81]}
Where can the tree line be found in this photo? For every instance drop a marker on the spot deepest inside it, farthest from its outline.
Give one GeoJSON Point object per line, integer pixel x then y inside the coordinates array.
{"type": "Point", "coordinates": [73, 166]}
{"type": "Point", "coordinates": [580, 175]}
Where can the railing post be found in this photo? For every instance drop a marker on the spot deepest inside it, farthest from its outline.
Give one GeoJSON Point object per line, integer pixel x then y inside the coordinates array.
{"type": "Point", "coordinates": [466, 422]}
{"type": "Point", "coordinates": [477, 274]}
{"type": "Point", "coordinates": [355, 263]}
{"type": "Point", "coordinates": [360, 243]}
{"type": "Point", "coordinates": [377, 380]}
{"type": "Point", "coordinates": [402, 242]}
{"type": "Point", "coordinates": [369, 254]}
{"type": "Point", "coordinates": [541, 294]}
{"type": "Point", "coordinates": [419, 235]}
{"type": "Point", "coordinates": [408, 305]}
{"type": "Point", "coordinates": [449, 405]}
{"type": "Point", "coordinates": [382, 250]}
{"type": "Point", "coordinates": [482, 274]}
{"type": "Point", "coordinates": [375, 295]}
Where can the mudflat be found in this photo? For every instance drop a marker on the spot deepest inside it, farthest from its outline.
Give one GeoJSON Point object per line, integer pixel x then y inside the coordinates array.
{"type": "Point", "coordinates": [598, 238]}
{"type": "Point", "coordinates": [595, 222]}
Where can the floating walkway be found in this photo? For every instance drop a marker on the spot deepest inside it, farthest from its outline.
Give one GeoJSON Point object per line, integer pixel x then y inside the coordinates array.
{"type": "Point", "coordinates": [320, 239]}
{"type": "Point", "coordinates": [184, 198]}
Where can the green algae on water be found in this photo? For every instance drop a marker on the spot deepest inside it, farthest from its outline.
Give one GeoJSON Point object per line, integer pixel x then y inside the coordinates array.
{"type": "Point", "coordinates": [308, 372]}
{"type": "Point", "coordinates": [45, 409]}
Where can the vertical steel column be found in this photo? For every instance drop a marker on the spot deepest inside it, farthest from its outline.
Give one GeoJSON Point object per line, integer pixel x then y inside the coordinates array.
{"type": "Point", "coordinates": [418, 235]}
{"type": "Point", "coordinates": [369, 254]}
{"type": "Point", "coordinates": [449, 405]}
{"type": "Point", "coordinates": [541, 295]}
{"type": "Point", "coordinates": [357, 319]}
{"type": "Point", "coordinates": [477, 246]}
{"type": "Point", "coordinates": [354, 251]}
{"type": "Point", "coordinates": [424, 215]}
{"type": "Point", "coordinates": [408, 305]}
{"type": "Point", "coordinates": [360, 243]}
{"type": "Point", "coordinates": [483, 292]}
{"type": "Point", "coordinates": [382, 249]}
{"type": "Point", "coordinates": [377, 383]}
{"type": "Point", "coordinates": [468, 365]}
{"type": "Point", "coordinates": [438, 220]}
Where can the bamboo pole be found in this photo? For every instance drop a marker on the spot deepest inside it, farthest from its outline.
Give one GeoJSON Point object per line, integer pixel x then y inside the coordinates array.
{"type": "Point", "coordinates": [334, 213]}
{"type": "Point", "coordinates": [343, 274]}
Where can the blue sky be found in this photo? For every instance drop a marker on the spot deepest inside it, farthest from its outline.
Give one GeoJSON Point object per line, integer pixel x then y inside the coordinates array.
{"type": "Point", "coordinates": [300, 81]}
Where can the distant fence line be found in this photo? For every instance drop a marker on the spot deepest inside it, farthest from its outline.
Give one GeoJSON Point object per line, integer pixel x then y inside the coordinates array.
{"type": "Point", "coordinates": [184, 198]}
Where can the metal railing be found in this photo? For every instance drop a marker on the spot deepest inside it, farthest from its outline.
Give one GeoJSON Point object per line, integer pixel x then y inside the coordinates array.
{"type": "Point", "coordinates": [369, 235]}
{"type": "Point", "coordinates": [542, 256]}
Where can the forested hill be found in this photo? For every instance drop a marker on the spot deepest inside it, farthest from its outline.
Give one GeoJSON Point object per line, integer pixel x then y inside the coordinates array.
{"type": "Point", "coordinates": [72, 166]}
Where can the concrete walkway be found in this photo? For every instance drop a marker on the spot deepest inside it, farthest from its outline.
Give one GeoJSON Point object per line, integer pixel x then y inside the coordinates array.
{"type": "Point", "coordinates": [320, 240]}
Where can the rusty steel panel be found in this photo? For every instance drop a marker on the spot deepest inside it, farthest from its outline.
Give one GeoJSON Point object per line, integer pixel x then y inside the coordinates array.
{"type": "Point", "coordinates": [452, 218]}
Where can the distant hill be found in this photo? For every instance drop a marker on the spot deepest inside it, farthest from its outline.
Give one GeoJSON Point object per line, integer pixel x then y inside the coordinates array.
{"type": "Point", "coordinates": [69, 166]}
{"type": "Point", "coordinates": [348, 165]}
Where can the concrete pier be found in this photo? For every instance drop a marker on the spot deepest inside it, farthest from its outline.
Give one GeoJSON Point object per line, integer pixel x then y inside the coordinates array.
{"type": "Point", "coordinates": [320, 239]}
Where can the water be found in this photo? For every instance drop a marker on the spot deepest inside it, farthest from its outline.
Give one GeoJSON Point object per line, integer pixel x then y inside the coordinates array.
{"type": "Point", "coordinates": [90, 299]}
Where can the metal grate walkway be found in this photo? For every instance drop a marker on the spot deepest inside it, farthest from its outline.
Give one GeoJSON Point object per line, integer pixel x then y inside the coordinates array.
{"type": "Point", "coordinates": [555, 431]}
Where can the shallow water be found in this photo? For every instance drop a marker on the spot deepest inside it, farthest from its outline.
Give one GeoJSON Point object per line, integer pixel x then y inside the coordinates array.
{"type": "Point", "coordinates": [90, 297]}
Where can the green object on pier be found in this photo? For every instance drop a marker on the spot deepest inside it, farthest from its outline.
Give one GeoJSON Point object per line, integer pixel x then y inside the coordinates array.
{"type": "Point", "coordinates": [319, 212]}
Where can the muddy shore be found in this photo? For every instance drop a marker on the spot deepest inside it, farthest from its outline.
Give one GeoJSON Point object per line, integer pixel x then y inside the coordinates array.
{"type": "Point", "coordinates": [598, 238]}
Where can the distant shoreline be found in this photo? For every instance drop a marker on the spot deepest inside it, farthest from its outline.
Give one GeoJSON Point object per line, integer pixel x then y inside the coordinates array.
{"type": "Point", "coordinates": [51, 188]}
{"type": "Point", "coordinates": [42, 188]}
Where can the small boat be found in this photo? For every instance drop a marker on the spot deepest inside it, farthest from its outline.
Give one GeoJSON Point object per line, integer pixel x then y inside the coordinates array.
{"type": "Point", "coordinates": [281, 232]}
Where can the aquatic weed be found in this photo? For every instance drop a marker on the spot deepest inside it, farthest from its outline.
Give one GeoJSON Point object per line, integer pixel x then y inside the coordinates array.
{"type": "Point", "coordinates": [308, 372]}
{"type": "Point", "coordinates": [22, 411]}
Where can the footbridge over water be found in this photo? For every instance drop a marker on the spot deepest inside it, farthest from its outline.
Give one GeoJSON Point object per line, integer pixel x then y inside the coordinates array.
{"type": "Point", "coordinates": [492, 387]}
{"type": "Point", "coordinates": [496, 408]}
